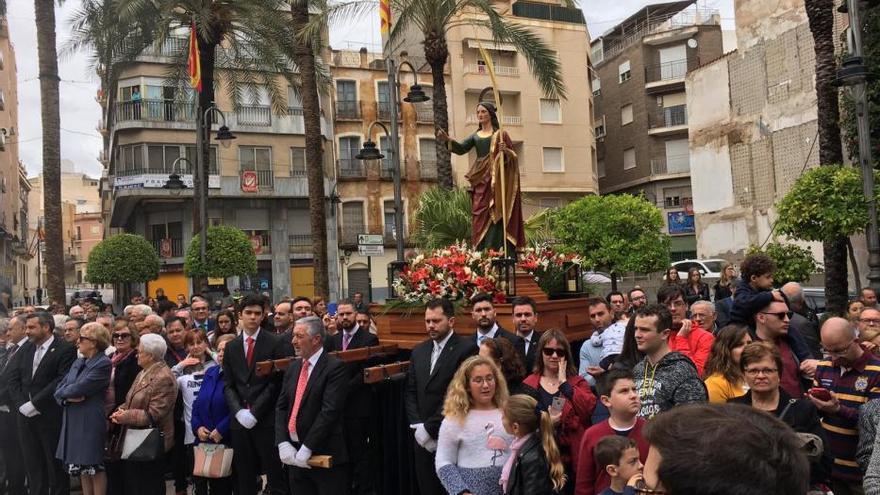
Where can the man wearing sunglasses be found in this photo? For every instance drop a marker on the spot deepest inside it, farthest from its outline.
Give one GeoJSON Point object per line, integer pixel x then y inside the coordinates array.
{"type": "Point", "coordinates": [852, 377]}
{"type": "Point", "coordinates": [772, 325]}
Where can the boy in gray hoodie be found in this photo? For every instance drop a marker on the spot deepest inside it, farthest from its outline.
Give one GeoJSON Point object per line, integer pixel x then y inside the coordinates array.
{"type": "Point", "coordinates": [664, 379]}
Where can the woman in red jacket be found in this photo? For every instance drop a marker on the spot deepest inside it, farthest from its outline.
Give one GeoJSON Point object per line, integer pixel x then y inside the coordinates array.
{"type": "Point", "coordinates": [564, 394]}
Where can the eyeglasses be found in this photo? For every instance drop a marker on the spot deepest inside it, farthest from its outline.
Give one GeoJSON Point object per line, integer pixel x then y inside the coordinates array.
{"type": "Point", "coordinates": [761, 371]}
{"type": "Point", "coordinates": [549, 351]}
{"type": "Point", "coordinates": [480, 380]}
{"type": "Point", "coordinates": [640, 298]}
{"type": "Point", "coordinates": [121, 336]}
{"type": "Point", "coordinates": [83, 337]}
{"type": "Point", "coordinates": [780, 314]}
{"type": "Point", "coordinates": [870, 321]}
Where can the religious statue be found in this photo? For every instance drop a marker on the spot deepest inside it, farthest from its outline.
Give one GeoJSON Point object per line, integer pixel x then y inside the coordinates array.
{"type": "Point", "coordinates": [496, 202]}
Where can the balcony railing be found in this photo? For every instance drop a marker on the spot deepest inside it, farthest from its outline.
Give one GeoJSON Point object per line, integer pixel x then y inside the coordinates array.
{"type": "Point", "coordinates": [500, 70]}
{"type": "Point", "coordinates": [176, 247]}
{"type": "Point", "coordinates": [667, 71]}
{"type": "Point", "coordinates": [348, 110]}
{"type": "Point", "coordinates": [265, 179]}
{"type": "Point", "coordinates": [669, 117]}
{"type": "Point", "coordinates": [383, 110]}
{"type": "Point", "coordinates": [352, 168]}
{"type": "Point", "coordinates": [548, 12]}
{"type": "Point", "coordinates": [300, 243]}
{"type": "Point", "coordinates": [254, 115]}
{"type": "Point", "coordinates": [386, 170]}
{"type": "Point", "coordinates": [424, 114]}
{"type": "Point", "coordinates": [181, 168]}
{"type": "Point", "coordinates": [264, 243]}
{"type": "Point", "coordinates": [672, 164]}
{"type": "Point", "coordinates": [155, 111]}
{"type": "Point", "coordinates": [428, 169]}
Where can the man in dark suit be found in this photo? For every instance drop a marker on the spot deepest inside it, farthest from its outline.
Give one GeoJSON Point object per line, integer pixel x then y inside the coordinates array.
{"type": "Point", "coordinates": [358, 404]}
{"type": "Point", "coordinates": [202, 316]}
{"type": "Point", "coordinates": [251, 400]}
{"type": "Point", "coordinates": [13, 475]}
{"type": "Point", "coordinates": [307, 419]}
{"type": "Point", "coordinates": [433, 364]}
{"type": "Point", "coordinates": [525, 319]}
{"type": "Point", "coordinates": [35, 371]}
{"type": "Point", "coordinates": [483, 312]}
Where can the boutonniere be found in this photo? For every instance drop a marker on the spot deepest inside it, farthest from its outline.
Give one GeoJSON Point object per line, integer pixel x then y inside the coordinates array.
{"type": "Point", "coordinates": [52, 350]}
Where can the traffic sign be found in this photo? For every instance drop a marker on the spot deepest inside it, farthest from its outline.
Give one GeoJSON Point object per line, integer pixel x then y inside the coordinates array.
{"type": "Point", "coordinates": [370, 240]}
{"type": "Point", "coordinates": [371, 250]}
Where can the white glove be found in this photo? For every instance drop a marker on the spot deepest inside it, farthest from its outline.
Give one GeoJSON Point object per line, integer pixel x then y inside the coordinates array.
{"type": "Point", "coordinates": [430, 445]}
{"type": "Point", "coordinates": [246, 418]}
{"type": "Point", "coordinates": [421, 434]}
{"type": "Point", "coordinates": [302, 458]}
{"type": "Point", "coordinates": [287, 453]}
{"type": "Point", "coordinates": [28, 410]}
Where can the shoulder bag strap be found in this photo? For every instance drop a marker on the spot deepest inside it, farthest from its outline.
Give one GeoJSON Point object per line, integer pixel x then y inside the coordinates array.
{"type": "Point", "coordinates": [787, 407]}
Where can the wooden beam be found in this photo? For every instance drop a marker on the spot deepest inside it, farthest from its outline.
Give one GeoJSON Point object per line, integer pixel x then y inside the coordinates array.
{"type": "Point", "coordinates": [265, 368]}
{"type": "Point", "coordinates": [382, 372]}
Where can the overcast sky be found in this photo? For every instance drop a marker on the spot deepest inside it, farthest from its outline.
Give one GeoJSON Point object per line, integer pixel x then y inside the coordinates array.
{"type": "Point", "coordinates": [80, 113]}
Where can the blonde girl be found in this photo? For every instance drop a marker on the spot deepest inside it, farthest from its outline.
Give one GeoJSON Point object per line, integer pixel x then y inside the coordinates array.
{"type": "Point", "coordinates": [535, 464]}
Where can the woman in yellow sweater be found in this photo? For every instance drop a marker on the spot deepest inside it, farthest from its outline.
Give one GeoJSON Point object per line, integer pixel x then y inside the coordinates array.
{"type": "Point", "coordinates": [724, 379]}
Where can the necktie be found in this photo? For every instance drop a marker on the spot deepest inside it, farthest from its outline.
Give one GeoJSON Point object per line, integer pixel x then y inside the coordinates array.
{"type": "Point", "coordinates": [435, 354]}
{"type": "Point", "coordinates": [297, 400]}
{"type": "Point", "coordinates": [38, 356]}
{"type": "Point", "coordinates": [481, 338]}
{"type": "Point", "coordinates": [249, 356]}
{"type": "Point", "coordinates": [10, 353]}
{"type": "Point", "coordinates": [346, 339]}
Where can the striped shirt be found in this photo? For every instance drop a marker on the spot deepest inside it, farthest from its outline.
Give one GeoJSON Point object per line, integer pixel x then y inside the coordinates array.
{"type": "Point", "coordinates": [854, 387]}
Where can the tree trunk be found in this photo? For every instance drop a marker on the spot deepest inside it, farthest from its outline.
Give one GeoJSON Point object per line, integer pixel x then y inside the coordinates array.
{"type": "Point", "coordinates": [305, 60]}
{"type": "Point", "coordinates": [436, 53]}
{"type": "Point", "coordinates": [51, 122]}
{"type": "Point", "coordinates": [855, 265]}
{"type": "Point", "coordinates": [821, 17]}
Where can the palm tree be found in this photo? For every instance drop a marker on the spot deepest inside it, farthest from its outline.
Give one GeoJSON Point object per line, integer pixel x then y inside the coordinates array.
{"type": "Point", "coordinates": [443, 218]}
{"type": "Point", "coordinates": [51, 125]}
{"type": "Point", "coordinates": [434, 18]}
{"type": "Point", "coordinates": [258, 46]}
{"type": "Point", "coordinates": [820, 14]}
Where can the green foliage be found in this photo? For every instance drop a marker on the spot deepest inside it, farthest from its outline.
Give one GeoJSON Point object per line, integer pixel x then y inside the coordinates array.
{"type": "Point", "coordinates": [825, 203]}
{"type": "Point", "coordinates": [122, 258]}
{"type": "Point", "coordinates": [871, 57]}
{"type": "Point", "coordinates": [618, 232]}
{"type": "Point", "coordinates": [443, 218]}
{"type": "Point", "coordinates": [793, 263]}
{"type": "Point", "coordinates": [229, 254]}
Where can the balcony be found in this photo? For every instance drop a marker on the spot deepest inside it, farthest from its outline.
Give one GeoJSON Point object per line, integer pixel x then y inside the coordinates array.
{"type": "Point", "coordinates": [155, 111]}
{"type": "Point", "coordinates": [548, 12]}
{"type": "Point", "coordinates": [425, 113]}
{"type": "Point", "coordinates": [668, 120]}
{"type": "Point", "coordinates": [348, 110]}
{"type": "Point", "coordinates": [165, 169]}
{"type": "Point", "coordinates": [176, 248]}
{"type": "Point", "coordinates": [352, 168]}
{"type": "Point", "coordinates": [428, 169]}
{"type": "Point", "coordinates": [669, 76]}
{"type": "Point", "coordinates": [300, 244]}
{"type": "Point", "coordinates": [673, 164]}
{"type": "Point", "coordinates": [254, 115]}
{"type": "Point", "coordinates": [500, 70]}
{"type": "Point", "coordinates": [265, 179]}
{"type": "Point", "coordinates": [386, 170]}
{"type": "Point", "coordinates": [261, 241]}
{"type": "Point", "coordinates": [506, 119]}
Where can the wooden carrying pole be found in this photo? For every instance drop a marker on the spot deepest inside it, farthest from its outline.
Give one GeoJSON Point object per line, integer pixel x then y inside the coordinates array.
{"type": "Point", "coordinates": [265, 368]}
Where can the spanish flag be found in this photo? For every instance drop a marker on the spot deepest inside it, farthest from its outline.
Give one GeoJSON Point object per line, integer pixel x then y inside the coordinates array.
{"type": "Point", "coordinates": [195, 66]}
{"type": "Point", "coordinates": [384, 16]}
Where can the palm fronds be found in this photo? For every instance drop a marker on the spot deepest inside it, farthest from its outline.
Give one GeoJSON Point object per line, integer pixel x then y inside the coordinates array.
{"type": "Point", "coordinates": [443, 218]}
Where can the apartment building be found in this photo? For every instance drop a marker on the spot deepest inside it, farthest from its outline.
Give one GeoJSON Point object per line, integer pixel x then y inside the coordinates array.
{"type": "Point", "coordinates": [365, 188]}
{"type": "Point", "coordinates": [14, 282]}
{"type": "Point", "coordinates": [641, 112]}
{"type": "Point", "coordinates": [153, 133]}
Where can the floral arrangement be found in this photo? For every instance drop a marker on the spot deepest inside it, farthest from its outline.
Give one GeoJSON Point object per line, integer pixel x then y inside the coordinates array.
{"type": "Point", "coordinates": [455, 272]}
{"type": "Point", "coordinates": [546, 266]}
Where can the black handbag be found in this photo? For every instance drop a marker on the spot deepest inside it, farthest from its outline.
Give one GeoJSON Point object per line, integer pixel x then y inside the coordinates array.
{"type": "Point", "coordinates": [143, 444]}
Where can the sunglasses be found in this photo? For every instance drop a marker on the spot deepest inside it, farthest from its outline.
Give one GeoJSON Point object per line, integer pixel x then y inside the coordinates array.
{"type": "Point", "coordinates": [121, 336]}
{"type": "Point", "coordinates": [82, 337]}
{"type": "Point", "coordinates": [780, 314]}
{"type": "Point", "coordinates": [549, 351]}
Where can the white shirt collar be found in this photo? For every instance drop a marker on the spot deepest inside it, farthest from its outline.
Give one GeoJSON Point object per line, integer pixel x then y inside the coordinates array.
{"type": "Point", "coordinates": [528, 336]}
{"type": "Point", "coordinates": [314, 359]}
{"type": "Point", "coordinates": [491, 333]}
{"type": "Point", "coordinates": [45, 345]}
{"type": "Point", "coordinates": [20, 343]}
{"type": "Point", "coordinates": [353, 331]}
{"type": "Point", "coordinates": [245, 336]}
{"type": "Point", "coordinates": [440, 345]}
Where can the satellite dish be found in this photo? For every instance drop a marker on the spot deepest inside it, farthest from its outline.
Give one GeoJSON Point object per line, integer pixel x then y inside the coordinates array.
{"type": "Point", "coordinates": [692, 43]}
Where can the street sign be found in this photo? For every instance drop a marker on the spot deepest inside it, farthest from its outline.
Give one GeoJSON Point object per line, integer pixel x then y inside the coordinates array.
{"type": "Point", "coordinates": [371, 250]}
{"type": "Point", "coordinates": [370, 240]}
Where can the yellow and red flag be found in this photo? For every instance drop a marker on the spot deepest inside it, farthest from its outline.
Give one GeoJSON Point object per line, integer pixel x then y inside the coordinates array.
{"type": "Point", "coordinates": [384, 16]}
{"type": "Point", "coordinates": [194, 65]}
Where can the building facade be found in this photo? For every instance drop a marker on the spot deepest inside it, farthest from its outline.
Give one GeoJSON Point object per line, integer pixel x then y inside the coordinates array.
{"type": "Point", "coordinates": [366, 188]}
{"type": "Point", "coordinates": [257, 184]}
{"type": "Point", "coordinates": [641, 110]}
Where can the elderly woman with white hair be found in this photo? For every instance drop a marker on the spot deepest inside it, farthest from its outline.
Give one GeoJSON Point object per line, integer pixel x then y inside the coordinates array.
{"type": "Point", "coordinates": [149, 403]}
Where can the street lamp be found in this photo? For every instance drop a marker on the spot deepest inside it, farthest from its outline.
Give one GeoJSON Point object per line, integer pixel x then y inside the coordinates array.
{"type": "Point", "coordinates": [200, 178]}
{"type": "Point", "coordinates": [174, 183]}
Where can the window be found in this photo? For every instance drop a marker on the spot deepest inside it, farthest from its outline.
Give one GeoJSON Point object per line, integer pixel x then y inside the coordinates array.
{"type": "Point", "coordinates": [629, 158]}
{"type": "Point", "coordinates": [258, 159]}
{"type": "Point", "coordinates": [623, 72]}
{"type": "Point", "coordinates": [597, 52]}
{"type": "Point", "coordinates": [547, 203]}
{"type": "Point", "coordinates": [191, 156]}
{"type": "Point", "coordinates": [601, 167]}
{"type": "Point", "coordinates": [550, 111]}
{"type": "Point", "coordinates": [349, 147]}
{"type": "Point", "coordinates": [427, 158]}
{"type": "Point", "coordinates": [161, 157]}
{"type": "Point", "coordinates": [79, 233]}
{"type": "Point", "coordinates": [553, 160]}
{"type": "Point", "coordinates": [676, 197]}
{"type": "Point", "coordinates": [297, 162]}
{"type": "Point", "coordinates": [597, 86]}
{"type": "Point", "coordinates": [346, 99]}
{"type": "Point", "coordinates": [386, 169]}
{"type": "Point", "coordinates": [383, 108]}
{"type": "Point", "coordinates": [294, 102]}
{"type": "Point", "coordinates": [352, 221]}
{"type": "Point", "coordinates": [626, 114]}
{"type": "Point", "coordinates": [600, 128]}
{"type": "Point", "coordinates": [388, 217]}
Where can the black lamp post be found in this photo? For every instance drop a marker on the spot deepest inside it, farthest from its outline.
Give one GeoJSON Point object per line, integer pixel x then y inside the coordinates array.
{"type": "Point", "coordinates": [505, 269]}
{"type": "Point", "coordinates": [174, 183]}
{"type": "Point", "coordinates": [200, 178]}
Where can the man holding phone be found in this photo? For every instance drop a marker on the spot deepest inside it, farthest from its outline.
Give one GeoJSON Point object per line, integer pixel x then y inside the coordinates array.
{"type": "Point", "coordinates": [849, 378]}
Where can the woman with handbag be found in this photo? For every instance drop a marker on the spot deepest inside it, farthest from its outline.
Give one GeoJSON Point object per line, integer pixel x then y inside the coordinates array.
{"type": "Point", "coordinates": [147, 415]}
{"type": "Point", "coordinates": [81, 395]}
{"type": "Point", "coordinates": [210, 425]}
{"type": "Point", "coordinates": [124, 369]}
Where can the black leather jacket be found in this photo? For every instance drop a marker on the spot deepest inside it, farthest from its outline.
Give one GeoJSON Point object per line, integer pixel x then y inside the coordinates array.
{"type": "Point", "coordinates": [530, 474]}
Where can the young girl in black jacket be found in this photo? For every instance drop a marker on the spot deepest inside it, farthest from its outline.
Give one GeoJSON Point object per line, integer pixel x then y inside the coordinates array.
{"type": "Point", "coordinates": [535, 465]}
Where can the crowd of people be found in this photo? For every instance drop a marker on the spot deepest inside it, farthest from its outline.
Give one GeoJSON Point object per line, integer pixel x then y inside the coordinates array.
{"type": "Point", "coordinates": [743, 392]}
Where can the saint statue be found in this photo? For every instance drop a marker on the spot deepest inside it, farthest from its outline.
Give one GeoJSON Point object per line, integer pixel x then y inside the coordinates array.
{"type": "Point", "coordinates": [496, 202]}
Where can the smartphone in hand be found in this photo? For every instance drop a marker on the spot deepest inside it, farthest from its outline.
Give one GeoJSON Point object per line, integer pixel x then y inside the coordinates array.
{"type": "Point", "coordinates": [820, 393]}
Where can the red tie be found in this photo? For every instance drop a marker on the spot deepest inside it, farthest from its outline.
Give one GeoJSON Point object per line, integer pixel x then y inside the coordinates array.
{"type": "Point", "coordinates": [297, 400]}
{"type": "Point", "coordinates": [249, 356]}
